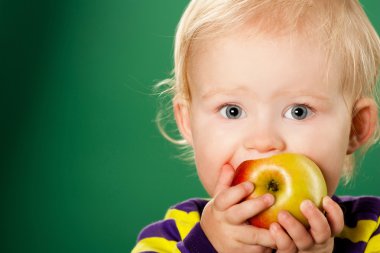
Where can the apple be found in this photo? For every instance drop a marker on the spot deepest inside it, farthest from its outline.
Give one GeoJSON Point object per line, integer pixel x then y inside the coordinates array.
{"type": "Point", "coordinates": [290, 178]}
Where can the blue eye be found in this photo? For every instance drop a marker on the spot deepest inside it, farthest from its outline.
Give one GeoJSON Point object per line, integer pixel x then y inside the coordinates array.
{"type": "Point", "coordinates": [232, 112]}
{"type": "Point", "coordinates": [298, 112]}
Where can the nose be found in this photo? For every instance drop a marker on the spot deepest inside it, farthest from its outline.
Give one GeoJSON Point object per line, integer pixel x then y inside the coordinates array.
{"type": "Point", "coordinates": [264, 138]}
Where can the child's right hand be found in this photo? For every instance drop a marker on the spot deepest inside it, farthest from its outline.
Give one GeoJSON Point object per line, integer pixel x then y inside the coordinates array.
{"type": "Point", "coordinates": [224, 219]}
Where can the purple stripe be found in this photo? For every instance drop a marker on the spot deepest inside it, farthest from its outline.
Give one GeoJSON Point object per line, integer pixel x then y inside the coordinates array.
{"type": "Point", "coordinates": [196, 241]}
{"type": "Point", "coordinates": [359, 208]}
{"type": "Point", "coordinates": [165, 229]}
{"type": "Point", "coordinates": [346, 246]}
{"type": "Point", "coordinates": [191, 205]}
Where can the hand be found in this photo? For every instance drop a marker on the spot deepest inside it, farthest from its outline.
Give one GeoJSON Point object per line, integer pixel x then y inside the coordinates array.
{"type": "Point", "coordinates": [224, 217]}
{"type": "Point", "coordinates": [320, 236]}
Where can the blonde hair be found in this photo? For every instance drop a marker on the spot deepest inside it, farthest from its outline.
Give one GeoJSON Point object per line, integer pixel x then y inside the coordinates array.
{"type": "Point", "coordinates": [341, 26]}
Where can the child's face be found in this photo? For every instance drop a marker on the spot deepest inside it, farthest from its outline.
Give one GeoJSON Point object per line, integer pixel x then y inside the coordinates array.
{"type": "Point", "coordinates": [255, 96]}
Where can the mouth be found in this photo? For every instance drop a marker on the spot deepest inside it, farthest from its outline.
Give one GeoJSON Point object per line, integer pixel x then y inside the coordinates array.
{"type": "Point", "coordinates": [256, 156]}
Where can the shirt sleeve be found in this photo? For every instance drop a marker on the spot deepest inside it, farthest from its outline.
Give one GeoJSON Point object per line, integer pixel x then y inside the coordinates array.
{"type": "Point", "coordinates": [180, 231]}
{"type": "Point", "coordinates": [373, 244]}
{"type": "Point", "coordinates": [361, 232]}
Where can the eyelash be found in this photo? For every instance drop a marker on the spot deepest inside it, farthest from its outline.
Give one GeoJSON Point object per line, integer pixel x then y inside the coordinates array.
{"type": "Point", "coordinates": [310, 110]}
{"type": "Point", "coordinates": [305, 105]}
{"type": "Point", "coordinates": [220, 108]}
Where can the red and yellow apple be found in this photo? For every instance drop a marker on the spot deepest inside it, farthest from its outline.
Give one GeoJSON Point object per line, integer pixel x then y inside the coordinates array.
{"type": "Point", "coordinates": [290, 178]}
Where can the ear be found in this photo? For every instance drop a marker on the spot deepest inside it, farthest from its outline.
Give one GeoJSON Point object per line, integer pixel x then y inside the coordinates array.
{"type": "Point", "coordinates": [182, 118]}
{"type": "Point", "coordinates": [363, 125]}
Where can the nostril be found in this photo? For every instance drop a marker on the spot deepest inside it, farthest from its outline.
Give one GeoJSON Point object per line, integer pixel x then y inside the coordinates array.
{"type": "Point", "coordinates": [265, 144]}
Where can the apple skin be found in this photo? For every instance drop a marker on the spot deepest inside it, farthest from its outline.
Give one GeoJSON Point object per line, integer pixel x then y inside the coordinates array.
{"type": "Point", "coordinates": [290, 178]}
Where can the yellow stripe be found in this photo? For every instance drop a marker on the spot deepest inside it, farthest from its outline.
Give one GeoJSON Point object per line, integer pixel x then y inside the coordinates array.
{"type": "Point", "coordinates": [362, 232]}
{"type": "Point", "coordinates": [373, 245]}
{"type": "Point", "coordinates": [184, 221]}
{"type": "Point", "coordinates": [156, 244]}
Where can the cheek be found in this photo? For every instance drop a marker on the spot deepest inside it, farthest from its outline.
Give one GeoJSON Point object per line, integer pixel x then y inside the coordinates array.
{"type": "Point", "coordinates": [207, 171]}
{"type": "Point", "coordinates": [330, 156]}
{"type": "Point", "coordinates": [212, 150]}
{"type": "Point", "coordinates": [332, 172]}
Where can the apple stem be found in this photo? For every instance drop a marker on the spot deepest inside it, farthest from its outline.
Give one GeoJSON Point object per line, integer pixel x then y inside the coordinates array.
{"type": "Point", "coordinates": [272, 186]}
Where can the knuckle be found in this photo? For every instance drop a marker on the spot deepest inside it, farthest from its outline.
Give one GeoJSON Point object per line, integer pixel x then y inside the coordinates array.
{"type": "Point", "coordinates": [288, 247]}
{"type": "Point", "coordinates": [218, 202]}
{"type": "Point", "coordinates": [305, 247]}
{"type": "Point", "coordinates": [254, 236]}
{"type": "Point", "coordinates": [267, 250]}
{"type": "Point", "coordinates": [291, 248]}
{"type": "Point", "coordinates": [232, 216]}
{"type": "Point", "coordinates": [322, 238]}
{"type": "Point", "coordinates": [255, 205]}
{"type": "Point", "coordinates": [240, 189]}
{"type": "Point", "coordinates": [324, 229]}
{"type": "Point", "coordinates": [304, 242]}
{"type": "Point", "coordinates": [261, 202]}
{"type": "Point", "coordinates": [264, 250]}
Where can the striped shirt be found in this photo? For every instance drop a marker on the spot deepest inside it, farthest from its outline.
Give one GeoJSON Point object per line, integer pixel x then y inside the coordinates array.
{"type": "Point", "coordinates": [180, 231]}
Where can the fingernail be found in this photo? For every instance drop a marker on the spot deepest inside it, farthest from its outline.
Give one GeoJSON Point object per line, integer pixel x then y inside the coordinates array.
{"type": "Point", "coordinates": [268, 198]}
{"type": "Point", "coordinates": [274, 227]}
{"type": "Point", "coordinates": [305, 205]}
{"type": "Point", "coordinates": [248, 186]}
{"type": "Point", "coordinates": [327, 200]}
{"type": "Point", "coordinates": [283, 215]}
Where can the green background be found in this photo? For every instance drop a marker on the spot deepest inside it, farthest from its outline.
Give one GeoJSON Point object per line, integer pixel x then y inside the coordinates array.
{"type": "Point", "coordinates": [83, 166]}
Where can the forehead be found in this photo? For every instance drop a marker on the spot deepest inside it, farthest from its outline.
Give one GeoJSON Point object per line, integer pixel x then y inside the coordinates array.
{"type": "Point", "coordinates": [244, 56]}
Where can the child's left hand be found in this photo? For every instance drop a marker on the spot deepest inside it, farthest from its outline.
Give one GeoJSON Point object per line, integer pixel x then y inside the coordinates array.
{"type": "Point", "coordinates": [291, 236]}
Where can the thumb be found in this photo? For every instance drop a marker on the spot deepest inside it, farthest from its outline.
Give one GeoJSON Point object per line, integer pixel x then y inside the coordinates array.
{"type": "Point", "coordinates": [225, 178]}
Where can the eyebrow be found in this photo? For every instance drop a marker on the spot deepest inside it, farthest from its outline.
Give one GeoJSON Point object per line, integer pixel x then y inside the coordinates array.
{"type": "Point", "coordinates": [241, 89]}
{"type": "Point", "coordinates": [303, 93]}
{"type": "Point", "coordinates": [216, 91]}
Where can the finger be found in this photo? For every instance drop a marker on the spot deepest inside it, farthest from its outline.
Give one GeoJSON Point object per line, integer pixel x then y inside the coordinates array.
{"type": "Point", "coordinates": [283, 242]}
{"type": "Point", "coordinates": [225, 179]}
{"type": "Point", "coordinates": [334, 215]}
{"type": "Point", "coordinates": [240, 213]}
{"type": "Point", "coordinates": [254, 248]}
{"type": "Point", "coordinates": [319, 226]}
{"type": "Point", "coordinates": [296, 230]}
{"type": "Point", "coordinates": [256, 236]}
{"type": "Point", "coordinates": [232, 196]}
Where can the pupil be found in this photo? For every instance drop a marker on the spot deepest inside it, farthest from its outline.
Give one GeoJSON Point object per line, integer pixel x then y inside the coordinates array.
{"type": "Point", "coordinates": [234, 111]}
{"type": "Point", "coordinates": [299, 112]}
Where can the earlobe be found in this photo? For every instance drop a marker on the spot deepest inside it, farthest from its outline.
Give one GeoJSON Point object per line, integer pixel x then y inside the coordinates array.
{"type": "Point", "coordinates": [363, 125]}
{"type": "Point", "coordinates": [182, 117]}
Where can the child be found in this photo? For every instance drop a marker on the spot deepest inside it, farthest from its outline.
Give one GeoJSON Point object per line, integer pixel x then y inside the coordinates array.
{"type": "Point", "coordinates": [254, 78]}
